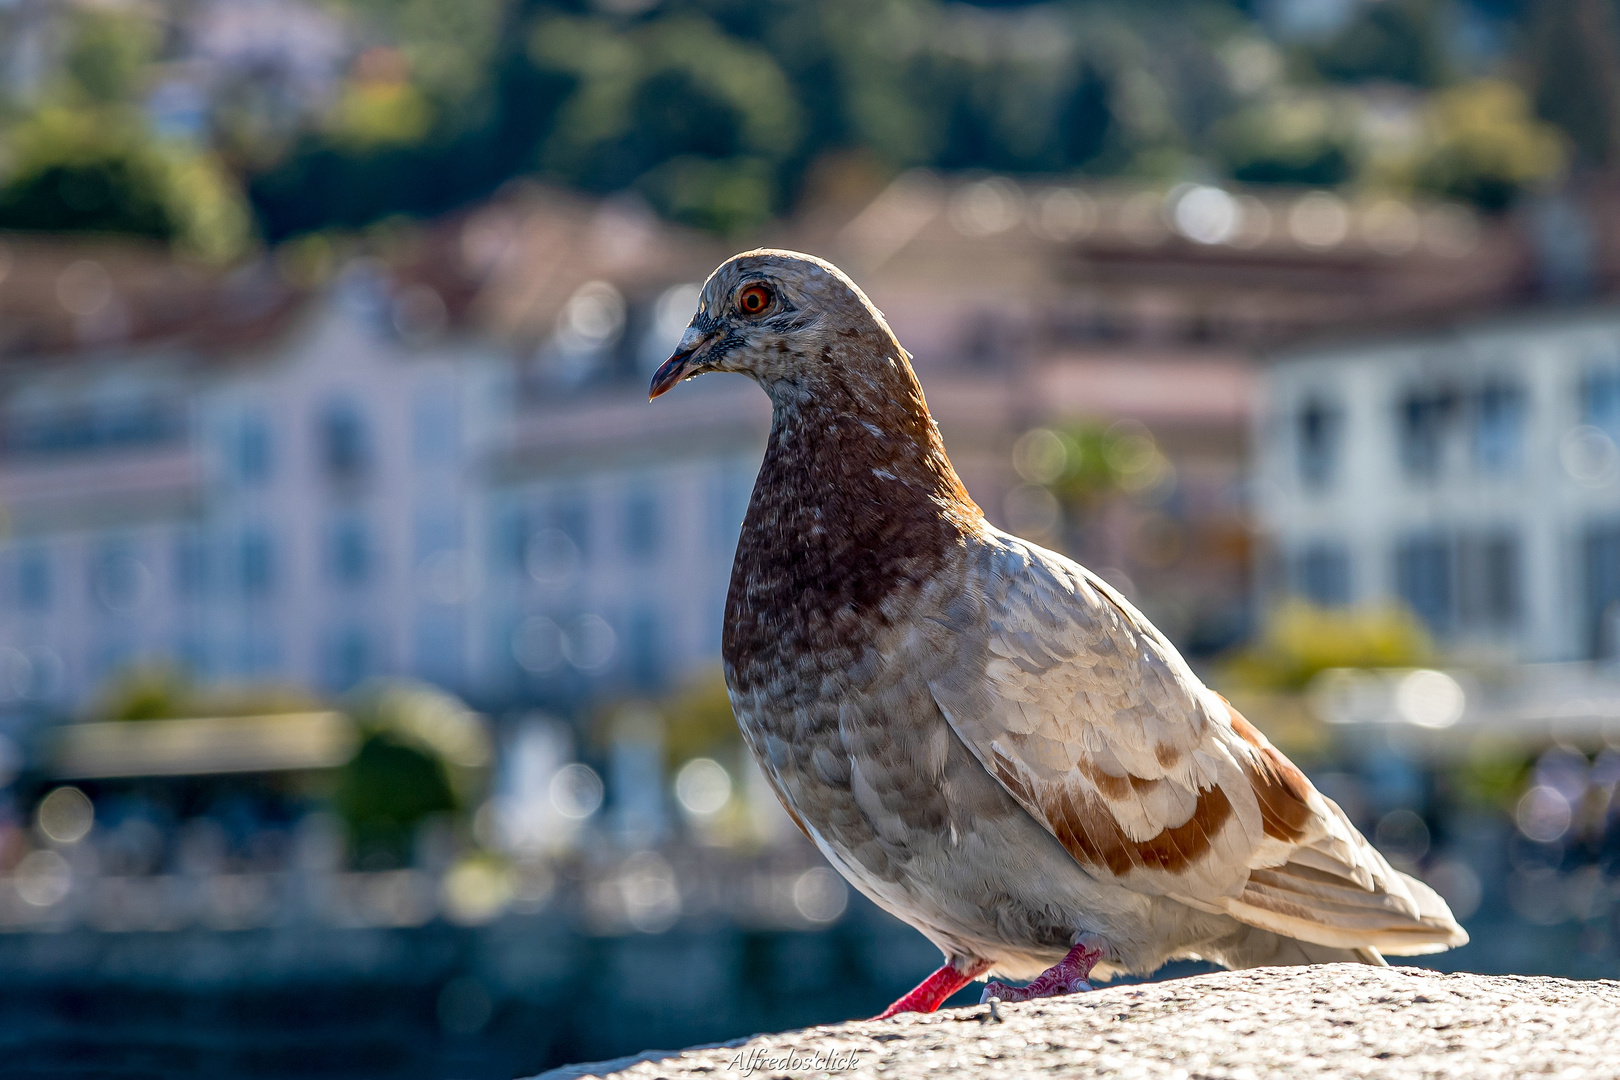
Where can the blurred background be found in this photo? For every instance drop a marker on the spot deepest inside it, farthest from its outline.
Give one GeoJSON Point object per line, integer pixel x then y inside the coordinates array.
{"type": "Point", "coordinates": [360, 705]}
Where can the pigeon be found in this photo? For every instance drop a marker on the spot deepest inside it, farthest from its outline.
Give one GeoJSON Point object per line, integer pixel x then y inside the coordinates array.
{"type": "Point", "coordinates": [981, 735]}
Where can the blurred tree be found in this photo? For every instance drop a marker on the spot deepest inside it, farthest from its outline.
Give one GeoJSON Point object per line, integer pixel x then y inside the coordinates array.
{"type": "Point", "coordinates": [718, 112]}
{"type": "Point", "coordinates": [159, 691]}
{"type": "Point", "coordinates": [690, 116]}
{"type": "Point", "coordinates": [1297, 138]}
{"type": "Point", "coordinates": [379, 105]}
{"type": "Point", "coordinates": [1083, 462]}
{"type": "Point", "coordinates": [80, 170]}
{"type": "Point", "coordinates": [1492, 775]}
{"type": "Point", "coordinates": [387, 789]}
{"type": "Point", "coordinates": [107, 54]}
{"type": "Point", "coordinates": [84, 160]}
{"type": "Point", "coordinates": [1391, 40]}
{"type": "Point", "coordinates": [422, 754]}
{"type": "Point", "coordinates": [147, 692]}
{"type": "Point", "coordinates": [1483, 145]}
{"type": "Point", "coordinates": [699, 721]}
{"type": "Point", "coordinates": [1574, 61]}
{"type": "Point", "coordinates": [1300, 640]}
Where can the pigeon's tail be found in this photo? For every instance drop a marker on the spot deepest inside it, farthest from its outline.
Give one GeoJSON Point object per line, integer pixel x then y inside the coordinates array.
{"type": "Point", "coordinates": [1250, 946]}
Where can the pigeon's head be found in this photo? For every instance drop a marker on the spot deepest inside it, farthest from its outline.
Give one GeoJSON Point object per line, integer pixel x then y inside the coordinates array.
{"type": "Point", "coordinates": [790, 321]}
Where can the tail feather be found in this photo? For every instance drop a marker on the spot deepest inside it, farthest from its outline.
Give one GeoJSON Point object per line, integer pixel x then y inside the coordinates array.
{"type": "Point", "coordinates": [1404, 918]}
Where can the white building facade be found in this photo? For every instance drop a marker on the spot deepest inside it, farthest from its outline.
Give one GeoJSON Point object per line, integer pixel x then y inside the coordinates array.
{"type": "Point", "coordinates": [343, 499]}
{"type": "Point", "coordinates": [1471, 475]}
{"type": "Point", "coordinates": [296, 511]}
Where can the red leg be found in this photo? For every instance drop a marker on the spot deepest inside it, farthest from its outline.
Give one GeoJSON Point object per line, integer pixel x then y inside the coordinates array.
{"type": "Point", "coordinates": [932, 991]}
{"type": "Point", "coordinates": [1067, 976]}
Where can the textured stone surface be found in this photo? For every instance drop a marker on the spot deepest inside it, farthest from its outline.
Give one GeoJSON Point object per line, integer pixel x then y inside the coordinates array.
{"type": "Point", "coordinates": [1338, 1020]}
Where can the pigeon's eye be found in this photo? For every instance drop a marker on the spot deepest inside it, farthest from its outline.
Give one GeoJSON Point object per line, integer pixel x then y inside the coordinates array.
{"type": "Point", "coordinates": [753, 300]}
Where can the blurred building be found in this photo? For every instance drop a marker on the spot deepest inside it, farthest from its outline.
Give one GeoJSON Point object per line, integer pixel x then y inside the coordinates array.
{"type": "Point", "coordinates": [263, 483]}
{"type": "Point", "coordinates": [440, 462]}
{"type": "Point", "coordinates": [1470, 473]}
{"type": "Point", "coordinates": [267, 486]}
{"type": "Point", "coordinates": [1125, 307]}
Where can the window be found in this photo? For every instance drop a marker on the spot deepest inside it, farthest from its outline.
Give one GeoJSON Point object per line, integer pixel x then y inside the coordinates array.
{"type": "Point", "coordinates": [348, 657]}
{"type": "Point", "coordinates": [343, 442]}
{"type": "Point", "coordinates": [1319, 429]}
{"type": "Point", "coordinates": [1602, 589]}
{"type": "Point", "coordinates": [349, 552]}
{"type": "Point", "coordinates": [1600, 401]}
{"type": "Point", "coordinates": [645, 656]}
{"type": "Point", "coordinates": [1322, 575]}
{"type": "Point", "coordinates": [251, 449]}
{"type": "Point", "coordinates": [34, 579]}
{"type": "Point", "coordinates": [1423, 579]}
{"type": "Point", "coordinates": [255, 562]}
{"type": "Point", "coordinates": [641, 524]}
{"type": "Point", "coordinates": [190, 566]}
{"type": "Point", "coordinates": [1499, 413]}
{"type": "Point", "coordinates": [72, 429]}
{"type": "Point", "coordinates": [1425, 417]}
{"type": "Point", "coordinates": [1488, 591]}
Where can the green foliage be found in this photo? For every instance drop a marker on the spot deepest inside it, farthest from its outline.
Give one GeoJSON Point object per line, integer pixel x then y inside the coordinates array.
{"type": "Point", "coordinates": [687, 114]}
{"type": "Point", "coordinates": [422, 754]}
{"type": "Point", "coordinates": [1300, 640]}
{"type": "Point", "coordinates": [426, 716]}
{"type": "Point", "coordinates": [1084, 461]}
{"type": "Point", "coordinates": [384, 110]}
{"type": "Point", "coordinates": [96, 170]}
{"type": "Point", "coordinates": [718, 112]}
{"type": "Point", "coordinates": [698, 719]}
{"type": "Point", "coordinates": [1305, 139]}
{"type": "Point", "coordinates": [1483, 145]}
{"type": "Point", "coordinates": [163, 692]}
{"type": "Point", "coordinates": [448, 45]}
{"type": "Point", "coordinates": [1392, 40]}
{"type": "Point", "coordinates": [390, 786]}
{"type": "Point", "coordinates": [1492, 776]}
{"type": "Point", "coordinates": [106, 55]}
{"type": "Point", "coordinates": [1572, 60]}
{"type": "Point", "coordinates": [146, 693]}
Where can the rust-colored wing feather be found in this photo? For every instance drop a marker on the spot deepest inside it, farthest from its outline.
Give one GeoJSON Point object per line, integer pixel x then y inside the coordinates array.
{"type": "Point", "coordinates": [1097, 727]}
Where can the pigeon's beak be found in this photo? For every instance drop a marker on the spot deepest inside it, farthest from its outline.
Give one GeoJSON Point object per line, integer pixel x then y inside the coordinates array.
{"type": "Point", "coordinates": [670, 372]}
{"type": "Point", "coordinates": [679, 365]}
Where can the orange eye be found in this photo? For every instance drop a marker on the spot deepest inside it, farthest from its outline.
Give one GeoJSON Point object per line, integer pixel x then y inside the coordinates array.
{"type": "Point", "coordinates": [753, 300]}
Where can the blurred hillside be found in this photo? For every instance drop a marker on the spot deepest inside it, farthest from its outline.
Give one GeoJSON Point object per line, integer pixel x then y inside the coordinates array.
{"type": "Point", "coordinates": [221, 124]}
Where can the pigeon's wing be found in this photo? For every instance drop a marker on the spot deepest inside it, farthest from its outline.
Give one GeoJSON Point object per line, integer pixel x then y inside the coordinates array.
{"type": "Point", "coordinates": [1095, 724]}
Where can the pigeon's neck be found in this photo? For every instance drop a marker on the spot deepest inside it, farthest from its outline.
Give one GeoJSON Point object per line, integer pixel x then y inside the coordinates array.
{"type": "Point", "coordinates": [854, 507]}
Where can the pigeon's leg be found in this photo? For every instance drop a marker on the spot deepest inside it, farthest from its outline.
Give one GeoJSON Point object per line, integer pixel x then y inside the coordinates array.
{"type": "Point", "coordinates": [931, 993]}
{"type": "Point", "coordinates": [1067, 976]}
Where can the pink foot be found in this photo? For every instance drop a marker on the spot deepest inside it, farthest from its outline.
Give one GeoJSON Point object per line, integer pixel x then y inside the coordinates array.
{"type": "Point", "coordinates": [1067, 976]}
{"type": "Point", "coordinates": [931, 993]}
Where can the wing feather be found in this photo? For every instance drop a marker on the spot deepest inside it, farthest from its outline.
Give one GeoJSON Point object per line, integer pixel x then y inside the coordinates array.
{"type": "Point", "coordinates": [1093, 722]}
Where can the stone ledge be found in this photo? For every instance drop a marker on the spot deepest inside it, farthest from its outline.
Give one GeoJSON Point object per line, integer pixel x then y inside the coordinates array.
{"type": "Point", "coordinates": [1336, 1020]}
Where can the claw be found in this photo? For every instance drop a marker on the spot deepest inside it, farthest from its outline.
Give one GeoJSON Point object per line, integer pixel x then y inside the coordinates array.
{"type": "Point", "coordinates": [1001, 991]}
{"type": "Point", "coordinates": [1067, 976]}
